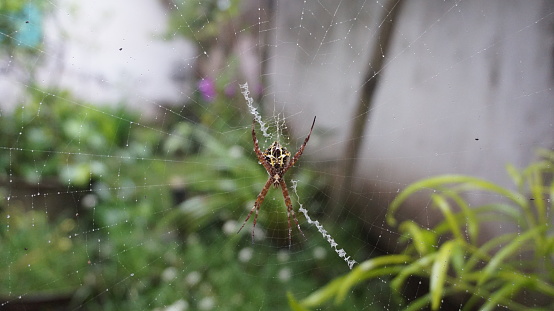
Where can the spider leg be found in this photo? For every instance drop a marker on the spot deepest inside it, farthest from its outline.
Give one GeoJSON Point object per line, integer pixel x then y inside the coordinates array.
{"type": "Point", "coordinates": [290, 210]}
{"type": "Point", "coordinates": [300, 151]}
{"type": "Point", "coordinates": [259, 153]}
{"type": "Point", "coordinates": [257, 204]}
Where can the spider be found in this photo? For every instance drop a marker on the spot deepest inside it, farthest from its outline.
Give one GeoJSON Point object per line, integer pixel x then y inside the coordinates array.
{"type": "Point", "coordinates": [276, 161]}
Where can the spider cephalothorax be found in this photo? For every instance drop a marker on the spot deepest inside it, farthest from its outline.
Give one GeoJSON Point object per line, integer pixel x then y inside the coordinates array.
{"type": "Point", "coordinates": [276, 161]}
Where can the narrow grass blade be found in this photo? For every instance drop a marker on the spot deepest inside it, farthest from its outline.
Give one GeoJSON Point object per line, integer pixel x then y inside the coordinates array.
{"type": "Point", "coordinates": [507, 250]}
{"type": "Point", "coordinates": [467, 183]}
{"type": "Point", "coordinates": [438, 273]}
{"type": "Point", "coordinates": [423, 240]}
{"type": "Point", "coordinates": [323, 294]}
{"type": "Point", "coordinates": [362, 271]}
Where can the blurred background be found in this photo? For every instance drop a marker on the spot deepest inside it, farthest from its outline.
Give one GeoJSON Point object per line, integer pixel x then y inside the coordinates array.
{"type": "Point", "coordinates": [126, 162]}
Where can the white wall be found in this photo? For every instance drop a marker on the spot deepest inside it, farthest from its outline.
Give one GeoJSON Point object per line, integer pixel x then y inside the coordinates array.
{"type": "Point", "coordinates": [107, 51]}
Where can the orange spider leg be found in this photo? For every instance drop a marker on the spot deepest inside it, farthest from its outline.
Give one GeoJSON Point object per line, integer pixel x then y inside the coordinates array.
{"type": "Point", "coordinates": [300, 151]}
{"type": "Point", "coordinates": [257, 204]}
{"type": "Point", "coordinates": [263, 193]}
{"type": "Point", "coordinates": [290, 210]}
{"type": "Point", "coordinates": [259, 153]}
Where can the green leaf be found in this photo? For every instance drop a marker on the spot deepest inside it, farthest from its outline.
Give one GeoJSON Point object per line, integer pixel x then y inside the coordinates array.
{"type": "Point", "coordinates": [341, 286]}
{"type": "Point", "coordinates": [293, 304]}
{"type": "Point", "coordinates": [469, 216]}
{"type": "Point", "coordinates": [514, 174]}
{"type": "Point", "coordinates": [418, 267]}
{"type": "Point", "coordinates": [481, 254]}
{"type": "Point", "coordinates": [323, 294]}
{"type": "Point", "coordinates": [533, 281]}
{"type": "Point", "coordinates": [491, 268]}
{"type": "Point", "coordinates": [536, 187]}
{"type": "Point", "coordinates": [503, 294]}
{"type": "Point", "coordinates": [458, 258]}
{"type": "Point", "coordinates": [367, 269]}
{"type": "Point", "coordinates": [438, 273]}
{"type": "Point", "coordinates": [510, 212]}
{"type": "Point", "coordinates": [466, 183]}
{"type": "Point", "coordinates": [446, 210]}
{"type": "Point", "coordinates": [419, 304]}
{"type": "Point", "coordinates": [423, 240]}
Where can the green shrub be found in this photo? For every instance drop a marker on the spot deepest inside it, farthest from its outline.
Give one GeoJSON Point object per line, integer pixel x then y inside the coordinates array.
{"type": "Point", "coordinates": [53, 137]}
{"type": "Point", "coordinates": [491, 274]}
{"type": "Point", "coordinates": [38, 256]}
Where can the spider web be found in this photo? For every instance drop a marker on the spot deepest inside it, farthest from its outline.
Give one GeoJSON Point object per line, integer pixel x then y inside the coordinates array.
{"type": "Point", "coordinates": [127, 162]}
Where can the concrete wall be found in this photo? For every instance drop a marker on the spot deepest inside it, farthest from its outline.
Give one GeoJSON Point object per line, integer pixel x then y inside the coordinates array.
{"type": "Point", "coordinates": [467, 88]}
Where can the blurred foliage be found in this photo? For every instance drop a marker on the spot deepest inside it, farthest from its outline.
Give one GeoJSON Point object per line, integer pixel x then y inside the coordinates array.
{"type": "Point", "coordinates": [38, 256]}
{"type": "Point", "coordinates": [53, 137]}
{"type": "Point", "coordinates": [201, 20]}
{"type": "Point", "coordinates": [514, 270]}
{"type": "Point", "coordinates": [131, 246]}
{"type": "Point", "coordinates": [21, 24]}
{"type": "Point", "coordinates": [135, 268]}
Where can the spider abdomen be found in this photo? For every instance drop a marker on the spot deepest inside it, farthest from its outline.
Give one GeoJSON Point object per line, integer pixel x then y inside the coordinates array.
{"type": "Point", "coordinates": [277, 156]}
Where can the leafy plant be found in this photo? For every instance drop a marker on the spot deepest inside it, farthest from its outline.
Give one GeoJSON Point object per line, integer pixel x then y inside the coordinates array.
{"type": "Point", "coordinates": [136, 251]}
{"type": "Point", "coordinates": [53, 137]}
{"type": "Point", "coordinates": [143, 265]}
{"type": "Point", "coordinates": [55, 140]}
{"type": "Point", "coordinates": [499, 272]}
{"type": "Point", "coordinates": [38, 256]}
{"type": "Point", "coordinates": [199, 21]}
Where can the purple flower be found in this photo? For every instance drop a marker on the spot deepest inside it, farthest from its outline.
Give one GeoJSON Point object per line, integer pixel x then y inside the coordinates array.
{"type": "Point", "coordinates": [206, 86]}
